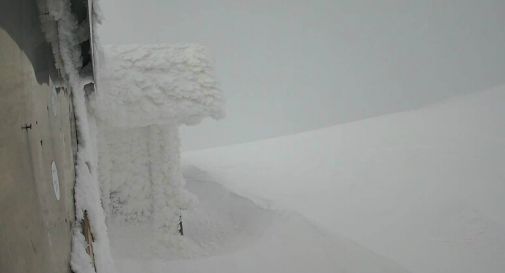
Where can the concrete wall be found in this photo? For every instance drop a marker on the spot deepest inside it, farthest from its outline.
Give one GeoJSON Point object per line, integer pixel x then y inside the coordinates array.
{"type": "Point", "coordinates": [35, 227]}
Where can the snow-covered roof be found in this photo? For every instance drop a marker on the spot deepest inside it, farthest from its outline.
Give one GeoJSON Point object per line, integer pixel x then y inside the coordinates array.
{"type": "Point", "coordinates": [140, 85]}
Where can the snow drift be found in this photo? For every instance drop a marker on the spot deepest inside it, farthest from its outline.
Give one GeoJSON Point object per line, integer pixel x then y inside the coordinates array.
{"type": "Point", "coordinates": [227, 233]}
{"type": "Point", "coordinates": [423, 188]}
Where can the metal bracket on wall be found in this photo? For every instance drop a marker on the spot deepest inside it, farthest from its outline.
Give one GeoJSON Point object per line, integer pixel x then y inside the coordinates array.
{"type": "Point", "coordinates": [26, 127]}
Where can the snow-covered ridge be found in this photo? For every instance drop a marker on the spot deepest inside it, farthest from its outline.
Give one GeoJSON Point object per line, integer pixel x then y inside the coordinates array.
{"type": "Point", "coordinates": [142, 85]}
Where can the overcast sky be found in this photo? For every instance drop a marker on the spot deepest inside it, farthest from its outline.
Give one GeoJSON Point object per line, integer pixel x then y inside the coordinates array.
{"type": "Point", "coordinates": [290, 66]}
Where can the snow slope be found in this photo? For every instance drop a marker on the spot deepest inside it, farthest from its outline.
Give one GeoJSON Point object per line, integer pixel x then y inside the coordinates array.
{"type": "Point", "coordinates": [229, 233]}
{"type": "Point", "coordinates": [424, 188]}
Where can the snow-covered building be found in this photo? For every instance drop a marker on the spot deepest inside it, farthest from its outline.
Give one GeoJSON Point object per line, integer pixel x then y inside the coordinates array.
{"type": "Point", "coordinates": [146, 92]}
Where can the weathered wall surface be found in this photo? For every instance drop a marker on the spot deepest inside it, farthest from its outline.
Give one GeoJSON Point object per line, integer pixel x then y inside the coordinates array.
{"type": "Point", "coordinates": [35, 224]}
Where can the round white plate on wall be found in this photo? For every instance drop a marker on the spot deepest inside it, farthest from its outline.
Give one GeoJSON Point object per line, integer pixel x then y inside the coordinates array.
{"type": "Point", "coordinates": [56, 180]}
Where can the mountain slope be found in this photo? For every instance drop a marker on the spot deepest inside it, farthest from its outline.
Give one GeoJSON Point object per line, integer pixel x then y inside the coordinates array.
{"type": "Point", "coordinates": [424, 188]}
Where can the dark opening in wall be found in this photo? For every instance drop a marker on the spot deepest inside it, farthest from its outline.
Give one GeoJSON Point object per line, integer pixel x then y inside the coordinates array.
{"type": "Point", "coordinates": [80, 10]}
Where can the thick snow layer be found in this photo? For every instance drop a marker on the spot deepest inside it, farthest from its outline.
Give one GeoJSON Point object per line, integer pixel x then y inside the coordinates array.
{"type": "Point", "coordinates": [141, 85]}
{"type": "Point", "coordinates": [423, 188]}
{"type": "Point", "coordinates": [228, 233]}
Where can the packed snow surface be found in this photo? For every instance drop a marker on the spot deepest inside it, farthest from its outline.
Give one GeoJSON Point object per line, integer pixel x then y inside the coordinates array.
{"type": "Point", "coordinates": [141, 85]}
{"type": "Point", "coordinates": [425, 189]}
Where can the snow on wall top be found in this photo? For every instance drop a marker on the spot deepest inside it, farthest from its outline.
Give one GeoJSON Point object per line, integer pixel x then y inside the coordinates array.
{"type": "Point", "coordinates": [141, 85]}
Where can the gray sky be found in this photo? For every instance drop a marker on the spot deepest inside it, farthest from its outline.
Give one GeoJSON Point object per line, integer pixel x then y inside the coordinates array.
{"type": "Point", "coordinates": [290, 66]}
